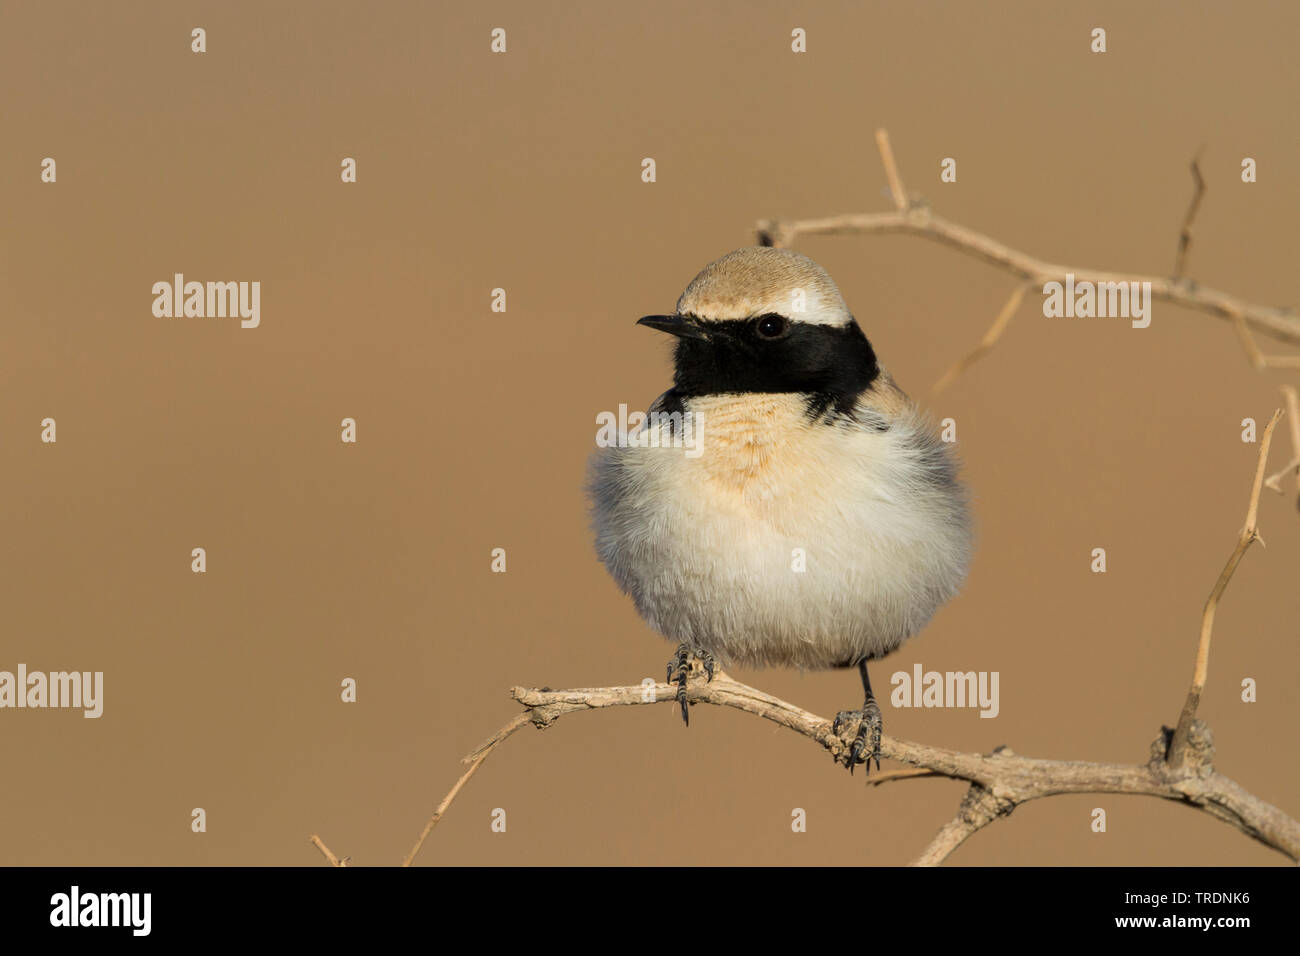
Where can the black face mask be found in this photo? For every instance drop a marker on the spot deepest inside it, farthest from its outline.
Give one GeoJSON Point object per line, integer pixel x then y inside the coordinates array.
{"type": "Point", "coordinates": [831, 365]}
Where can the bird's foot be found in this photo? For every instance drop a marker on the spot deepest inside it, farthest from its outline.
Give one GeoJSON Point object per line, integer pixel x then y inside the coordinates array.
{"type": "Point", "coordinates": [679, 669]}
{"type": "Point", "coordinates": [866, 745]}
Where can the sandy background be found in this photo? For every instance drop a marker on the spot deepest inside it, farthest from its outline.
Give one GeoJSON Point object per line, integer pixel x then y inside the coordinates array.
{"type": "Point", "coordinates": [522, 171]}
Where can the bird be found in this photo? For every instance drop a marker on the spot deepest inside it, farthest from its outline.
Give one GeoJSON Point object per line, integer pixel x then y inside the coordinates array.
{"type": "Point", "coordinates": [784, 503]}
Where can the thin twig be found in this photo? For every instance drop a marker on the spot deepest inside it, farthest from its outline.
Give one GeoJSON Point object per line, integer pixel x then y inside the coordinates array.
{"type": "Point", "coordinates": [1178, 747]}
{"type": "Point", "coordinates": [1254, 356]}
{"type": "Point", "coordinates": [1282, 361]}
{"type": "Point", "coordinates": [475, 760]}
{"type": "Point", "coordinates": [329, 854]}
{"type": "Point", "coordinates": [1257, 359]}
{"type": "Point", "coordinates": [1185, 234]}
{"type": "Point", "coordinates": [891, 169]}
{"type": "Point", "coordinates": [985, 344]}
{"type": "Point", "coordinates": [1292, 400]}
{"type": "Point", "coordinates": [1274, 481]}
{"type": "Point", "coordinates": [876, 779]}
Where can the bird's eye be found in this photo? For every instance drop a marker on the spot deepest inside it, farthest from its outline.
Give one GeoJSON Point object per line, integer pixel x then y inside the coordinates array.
{"type": "Point", "coordinates": [772, 326]}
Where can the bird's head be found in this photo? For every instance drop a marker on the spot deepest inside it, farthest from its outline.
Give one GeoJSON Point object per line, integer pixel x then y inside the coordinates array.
{"type": "Point", "coordinates": [766, 320]}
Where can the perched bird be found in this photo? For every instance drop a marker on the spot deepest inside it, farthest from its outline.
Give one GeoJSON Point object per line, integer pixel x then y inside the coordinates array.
{"type": "Point", "coordinates": [817, 522]}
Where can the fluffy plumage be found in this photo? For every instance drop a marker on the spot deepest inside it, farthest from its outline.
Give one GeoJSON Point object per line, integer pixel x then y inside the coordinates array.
{"type": "Point", "coordinates": [844, 471]}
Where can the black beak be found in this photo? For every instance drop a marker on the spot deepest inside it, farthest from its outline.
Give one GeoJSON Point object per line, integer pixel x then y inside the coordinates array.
{"type": "Point", "coordinates": [682, 326]}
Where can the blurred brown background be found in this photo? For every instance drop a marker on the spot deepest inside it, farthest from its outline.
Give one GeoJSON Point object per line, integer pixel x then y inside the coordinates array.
{"type": "Point", "coordinates": [522, 171]}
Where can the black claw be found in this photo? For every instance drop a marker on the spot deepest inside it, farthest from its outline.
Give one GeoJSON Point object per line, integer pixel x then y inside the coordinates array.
{"type": "Point", "coordinates": [679, 670]}
{"type": "Point", "coordinates": [866, 742]}
{"type": "Point", "coordinates": [872, 720]}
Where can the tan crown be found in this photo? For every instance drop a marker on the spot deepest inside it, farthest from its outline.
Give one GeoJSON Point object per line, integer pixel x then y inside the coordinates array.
{"type": "Point", "coordinates": [758, 280]}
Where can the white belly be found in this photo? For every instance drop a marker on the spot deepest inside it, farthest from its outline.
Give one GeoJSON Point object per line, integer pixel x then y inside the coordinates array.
{"type": "Point", "coordinates": [785, 542]}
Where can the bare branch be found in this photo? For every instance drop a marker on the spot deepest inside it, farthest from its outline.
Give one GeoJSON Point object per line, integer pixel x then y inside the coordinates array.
{"type": "Point", "coordinates": [1178, 747]}
{"type": "Point", "coordinates": [1009, 778]}
{"type": "Point", "coordinates": [1280, 324]}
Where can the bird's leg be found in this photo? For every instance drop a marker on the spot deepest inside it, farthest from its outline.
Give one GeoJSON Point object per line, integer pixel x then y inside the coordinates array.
{"type": "Point", "coordinates": [679, 669]}
{"type": "Point", "coordinates": [869, 724]}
